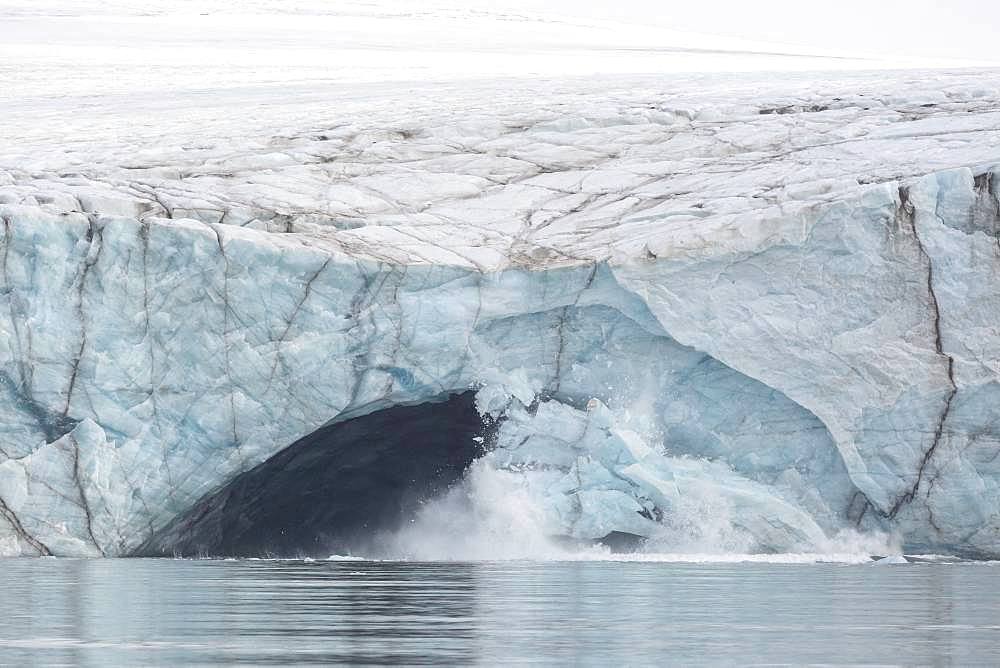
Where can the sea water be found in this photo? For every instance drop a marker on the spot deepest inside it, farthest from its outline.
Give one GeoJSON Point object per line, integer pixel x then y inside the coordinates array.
{"type": "Point", "coordinates": [682, 610]}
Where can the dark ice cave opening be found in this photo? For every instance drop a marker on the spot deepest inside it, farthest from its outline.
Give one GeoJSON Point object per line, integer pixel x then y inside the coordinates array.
{"type": "Point", "coordinates": [335, 490]}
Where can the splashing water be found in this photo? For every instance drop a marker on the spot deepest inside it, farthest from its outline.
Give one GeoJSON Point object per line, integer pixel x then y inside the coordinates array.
{"type": "Point", "coordinates": [495, 515]}
{"type": "Point", "coordinates": [492, 515]}
{"type": "Point", "coordinates": [560, 479]}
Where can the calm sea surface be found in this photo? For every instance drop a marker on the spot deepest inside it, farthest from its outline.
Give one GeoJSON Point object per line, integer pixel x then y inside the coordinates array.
{"type": "Point", "coordinates": [138, 612]}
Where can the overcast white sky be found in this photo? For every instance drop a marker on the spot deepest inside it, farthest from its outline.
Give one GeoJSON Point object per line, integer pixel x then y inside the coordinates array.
{"type": "Point", "coordinates": [964, 29]}
{"type": "Point", "coordinates": [955, 28]}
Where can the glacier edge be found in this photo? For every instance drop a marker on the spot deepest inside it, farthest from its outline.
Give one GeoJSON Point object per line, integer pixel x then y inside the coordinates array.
{"type": "Point", "coordinates": [125, 333]}
{"type": "Point", "coordinates": [779, 293]}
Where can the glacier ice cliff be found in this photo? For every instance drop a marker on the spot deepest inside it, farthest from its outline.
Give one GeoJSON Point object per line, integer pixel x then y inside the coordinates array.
{"type": "Point", "coordinates": [778, 309]}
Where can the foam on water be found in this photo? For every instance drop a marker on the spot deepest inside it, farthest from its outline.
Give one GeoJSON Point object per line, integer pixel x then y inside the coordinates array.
{"type": "Point", "coordinates": [734, 558]}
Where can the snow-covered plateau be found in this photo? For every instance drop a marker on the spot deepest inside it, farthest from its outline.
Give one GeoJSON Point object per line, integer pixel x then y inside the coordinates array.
{"type": "Point", "coordinates": [754, 313]}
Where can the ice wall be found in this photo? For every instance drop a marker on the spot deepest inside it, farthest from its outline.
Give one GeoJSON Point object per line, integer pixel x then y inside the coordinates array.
{"type": "Point", "coordinates": [829, 369]}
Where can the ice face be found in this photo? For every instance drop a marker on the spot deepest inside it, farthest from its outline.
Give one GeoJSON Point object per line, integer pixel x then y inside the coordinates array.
{"type": "Point", "coordinates": [770, 328]}
{"type": "Point", "coordinates": [903, 428]}
{"type": "Point", "coordinates": [594, 477]}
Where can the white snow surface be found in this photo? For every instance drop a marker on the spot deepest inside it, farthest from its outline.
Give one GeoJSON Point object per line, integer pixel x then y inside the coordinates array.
{"type": "Point", "coordinates": [748, 312]}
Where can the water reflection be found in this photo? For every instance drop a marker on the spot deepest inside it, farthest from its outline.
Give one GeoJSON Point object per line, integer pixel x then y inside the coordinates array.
{"type": "Point", "coordinates": [161, 611]}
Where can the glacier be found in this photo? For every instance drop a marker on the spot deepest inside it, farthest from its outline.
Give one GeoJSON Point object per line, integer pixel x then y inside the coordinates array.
{"type": "Point", "coordinates": [711, 312]}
